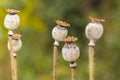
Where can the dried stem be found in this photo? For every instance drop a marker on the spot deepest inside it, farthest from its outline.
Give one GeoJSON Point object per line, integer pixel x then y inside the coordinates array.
{"type": "Point", "coordinates": [91, 62]}
{"type": "Point", "coordinates": [73, 73]}
{"type": "Point", "coordinates": [13, 60]}
{"type": "Point", "coordinates": [54, 62]}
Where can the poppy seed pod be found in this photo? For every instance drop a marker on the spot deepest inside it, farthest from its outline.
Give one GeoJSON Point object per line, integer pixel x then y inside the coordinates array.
{"type": "Point", "coordinates": [60, 31]}
{"type": "Point", "coordinates": [16, 42]}
{"type": "Point", "coordinates": [12, 20]}
{"type": "Point", "coordinates": [70, 51]}
{"type": "Point", "coordinates": [94, 31]}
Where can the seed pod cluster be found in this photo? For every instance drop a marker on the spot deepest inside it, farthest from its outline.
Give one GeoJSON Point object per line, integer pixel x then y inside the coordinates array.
{"type": "Point", "coordinates": [12, 22]}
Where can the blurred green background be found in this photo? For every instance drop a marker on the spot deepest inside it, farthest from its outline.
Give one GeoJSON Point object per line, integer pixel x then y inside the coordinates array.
{"type": "Point", "coordinates": [37, 21]}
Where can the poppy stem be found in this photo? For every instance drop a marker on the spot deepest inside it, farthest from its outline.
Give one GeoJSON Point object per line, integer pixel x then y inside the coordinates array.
{"type": "Point", "coordinates": [91, 62]}
{"type": "Point", "coordinates": [13, 60]}
{"type": "Point", "coordinates": [73, 73]}
{"type": "Point", "coordinates": [54, 61]}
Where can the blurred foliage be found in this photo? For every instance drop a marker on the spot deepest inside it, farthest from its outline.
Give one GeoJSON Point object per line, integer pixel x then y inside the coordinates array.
{"type": "Point", "coordinates": [37, 20]}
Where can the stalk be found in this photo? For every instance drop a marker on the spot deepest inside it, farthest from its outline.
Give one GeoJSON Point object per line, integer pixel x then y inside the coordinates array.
{"type": "Point", "coordinates": [13, 60]}
{"type": "Point", "coordinates": [91, 62]}
{"type": "Point", "coordinates": [54, 62]}
{"type": "Point", "coordinates": [73, 73]}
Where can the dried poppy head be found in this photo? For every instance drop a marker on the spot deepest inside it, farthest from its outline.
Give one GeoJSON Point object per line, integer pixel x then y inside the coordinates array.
{"type": "Point", "coordinates": [94, 30]}
{"type": "Point", "coordinates": [12, 20]}
{"type": "Point", "coordinates": [70, 50]}
{"type": "Point", "coordinates": [60, 31]}
{"type": "Point", "coordinates": [16, 42]}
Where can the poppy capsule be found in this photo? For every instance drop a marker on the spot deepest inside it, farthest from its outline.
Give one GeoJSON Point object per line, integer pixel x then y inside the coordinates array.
{"type": "Point", "coordinates": [94, 31]}
{"type": "Point", "coordinates": [60, 31]}
{"type": "Point", "coordinates": [16, 43]}
{"type": "Point", "coordinates": [12, 19]}
{"type": "Point", "coordinates": [70, 52]}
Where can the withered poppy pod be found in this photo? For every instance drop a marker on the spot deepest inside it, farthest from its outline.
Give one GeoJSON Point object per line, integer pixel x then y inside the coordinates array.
{"type": "Point", "coordinates": [11, 20]}
{"type": "Point", "coordinates": [71, 53]}
{"type": "Point", "coordinates": [70, 50]}
{"type": "Point", "coordinates": [60, 31]}
{"type": "Point", "coordinates": [17, 43]}
{"type": "Point", "coordinates": [94, 31]}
